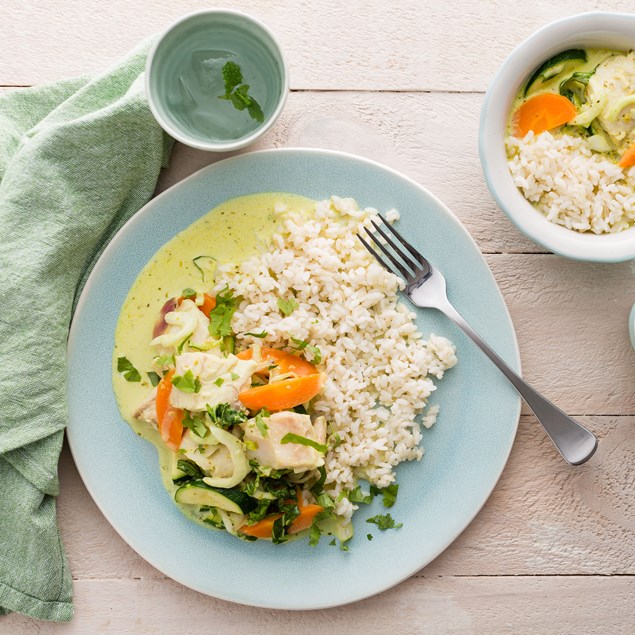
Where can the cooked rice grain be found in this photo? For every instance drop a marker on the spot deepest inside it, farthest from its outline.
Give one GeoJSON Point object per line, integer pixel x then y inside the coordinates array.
{"type": "Point", "coordinates": [378, 366]}
{"type": "Point", "coordinates": [570, 184]}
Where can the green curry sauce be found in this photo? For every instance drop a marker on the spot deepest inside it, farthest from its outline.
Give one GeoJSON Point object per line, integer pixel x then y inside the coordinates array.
{"type": "Point", "coordinates": [233, 231]}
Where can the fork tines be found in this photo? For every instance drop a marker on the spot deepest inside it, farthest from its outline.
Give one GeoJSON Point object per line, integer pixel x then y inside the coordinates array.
{"type": "Point", "coordinates": [406, 259]}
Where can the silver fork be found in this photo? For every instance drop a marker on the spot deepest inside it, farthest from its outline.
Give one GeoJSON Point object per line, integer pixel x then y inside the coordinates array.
{"type": "Point", "coordinates": [425, 287]}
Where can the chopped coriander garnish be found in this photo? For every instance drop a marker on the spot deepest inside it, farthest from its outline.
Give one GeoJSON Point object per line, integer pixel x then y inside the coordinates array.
{"type": "Point", "coordinates": [154, 378]}
{"type": "Point", "coordinates": [369, 536]}
{"type": "Point", "coordinates": [224, 416]}
{"type": "Point", "coordinates": [287, 307]}
{"type": "Point", "coordinates": [129, 372]}
{"type": "Point", "coordinates": [302, 345]}
{"type": "Point", "coordinates": [219, 381]}
{"type": "Point", "coordinates": [314, 535]}
{"type": "Point", "coordinates": [206, 262]}
{"type": "Point", "coordinates": [237, 92]}
{"type": "Point", "coordinates": [188, 293]}
{"type": "Point", "coordinates": [235, 376]}
{"type": "Point", "coordinates": [221, 315]}
{"type": "Point", "coordinates": [357, 496]}
{"type": "Point", "coordinates": [389, 493]}
{"type": "Point", "coordinates": [384, 521]}
{"type": "Point", "coordinates": [189, 468]}
{"type": "Point", "coordinates": [187, 382]}
{"type": "Point", "coordinates": [195, 423]}
{"type": "Point", "coordinates": [332, 543]}
{"type": "Point", "coordinates": [260, 422]}
{"type": "Point", "coordinates": [291, 437]}
{"type": "Point", "coordinates": [164, 360]}
{"type": "Point", "coordinates": [259, 335]}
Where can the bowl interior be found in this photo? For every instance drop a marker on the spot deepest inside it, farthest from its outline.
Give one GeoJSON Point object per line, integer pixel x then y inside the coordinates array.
{"type": "Point", "coordinates": [613, 31]}
{"type": "Point", "coordinates": [185, 77]}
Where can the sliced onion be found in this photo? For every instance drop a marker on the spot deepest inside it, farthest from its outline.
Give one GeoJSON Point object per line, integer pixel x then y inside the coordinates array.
{"type": "Point", "coordinates": [160, 325]}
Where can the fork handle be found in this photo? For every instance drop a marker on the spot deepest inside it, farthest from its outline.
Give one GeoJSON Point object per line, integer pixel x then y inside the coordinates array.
{"type": "Point", "coordinates": [575, 443]}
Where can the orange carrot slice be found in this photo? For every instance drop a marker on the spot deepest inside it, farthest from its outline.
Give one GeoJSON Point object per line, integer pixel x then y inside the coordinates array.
{"type": "Point", "coordinates": [543, 112]}
{"type": "Point", "coordinates": [628, 158]}
{"type": "Point", "coordinates": [286, 362]}
{"type": "Point", "coordinates": [281, 395]}
{"type": "Point", "coordinates": [264, 527]}
{"type": "Point", "coordinates": [169, 419]}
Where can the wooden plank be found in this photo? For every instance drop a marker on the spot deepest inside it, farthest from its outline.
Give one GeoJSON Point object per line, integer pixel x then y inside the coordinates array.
{"type": "Point", "coordinates": [544, 517]}
{"type": "Point", "coordinates": [432, 138]}
{"type": "Point", "coordinates": [546, 605]}
{"type": "Point", "coordinates": [369, 45]}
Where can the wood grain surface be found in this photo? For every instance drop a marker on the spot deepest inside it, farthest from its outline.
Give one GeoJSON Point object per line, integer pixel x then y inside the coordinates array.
{"type": "Point", "coordinates": [553, 549]}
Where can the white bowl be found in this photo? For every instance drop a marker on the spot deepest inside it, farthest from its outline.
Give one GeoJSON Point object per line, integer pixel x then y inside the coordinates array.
{"type": "Point", "coordinates": [587, 30]}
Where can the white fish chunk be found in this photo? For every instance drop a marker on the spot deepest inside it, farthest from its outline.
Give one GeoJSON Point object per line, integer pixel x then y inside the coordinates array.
{"type": "Point", "coordinates": [222, 378]}
{"type": "Point", "coordinates": [270, 452]}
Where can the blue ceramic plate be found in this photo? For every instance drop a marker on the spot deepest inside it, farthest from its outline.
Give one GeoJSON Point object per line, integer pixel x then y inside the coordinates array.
{"type": "Point", "coordinates": [465, 451]}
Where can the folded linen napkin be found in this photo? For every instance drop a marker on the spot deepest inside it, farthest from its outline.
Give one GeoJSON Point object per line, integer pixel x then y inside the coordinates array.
{"type": "Point", "coordinates": [77, 159]}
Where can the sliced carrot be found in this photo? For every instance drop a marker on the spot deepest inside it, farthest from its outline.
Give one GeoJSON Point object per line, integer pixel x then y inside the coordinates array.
{"type": "Point", "coordinates": [281, 395]}
{"type": "Point", "coordinates": [543, 112]}
{"type": "Point", "coordinates": [305, 519]}
{"type": "Point", "coordinates": [286, 362]}
{"type": "Point", "coordinates": [209, 304]}
{"type": "Point", "coordinates": [264, 527]}
{"type": "Point", "coordinates": [628, 158]}
{"type": "Point", "coordinates": [169, 419]}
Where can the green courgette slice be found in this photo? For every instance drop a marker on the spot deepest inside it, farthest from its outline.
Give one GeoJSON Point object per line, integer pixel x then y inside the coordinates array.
{"type": "Point", "coordinates": [565, 61]}
{"type": "Point", "coordinates": [229, 500]}
{"type": "Point", "coordinates": [574, 87]}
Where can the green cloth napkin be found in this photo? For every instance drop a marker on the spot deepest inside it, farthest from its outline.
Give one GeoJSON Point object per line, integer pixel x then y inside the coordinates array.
{"type": "Point", "coordinates": [77, 159]}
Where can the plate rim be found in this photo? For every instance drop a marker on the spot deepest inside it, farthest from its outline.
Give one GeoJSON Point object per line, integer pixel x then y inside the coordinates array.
{"type": "Point", "coordinates": [144, 210]}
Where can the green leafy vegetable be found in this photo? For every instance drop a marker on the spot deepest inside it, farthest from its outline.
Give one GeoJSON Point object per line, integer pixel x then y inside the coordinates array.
{"type": "Point", "coordinates": [369, 536]}
{"type": "Point", "coordinates": [260, 335]}
{"type": "Point", "coordinates": [291, 437]}
{"type": "Point", "coordinates": [287, 307]}
{"type": "Point", "coordinates": [224, 416]}
{"type": "Point", "coordinates": [187, 382]}
{"type": "Point", "coordinates": [195, 423]}
{"type": "Point", "coordinates": [188, 293]}
{"type": "Point", "coordinates": [357, 496]}
{"type": "Point", "coordinates": [389, 493]}
{"type": "Point", "coordinates": [204, 262]}
{"type": "Point", "coordinates": [221, 315]}
{"type": "Point", "coordinates": [129, 372]}
{"type": "Point", "coordinates": [314, 535]}
{"type": "Point", "coordinates": [259, 513]}
{"type": "Point", "coordinates": [189, 468]}
{"type": "Point", "coordinates": [260, 422]}
{"type": "Point", "coordinates": [290, 512]}
{"type": "Point", "coordinates": [238, 93]}
{"type": "Point", "coordinates": [154, 378]}
{"type": "Point", "coordinates": [384, 521]}
{"type": "Point", "coordinates": [301, 345]}
{"type": "Point", "coordinates": [164, 360]}
{"type": "Point", "coordinates": [332, 543]}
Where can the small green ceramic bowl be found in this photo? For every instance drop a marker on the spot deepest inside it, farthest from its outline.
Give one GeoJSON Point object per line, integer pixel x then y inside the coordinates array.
{"type": "Point", "coordinates": [186, 80]}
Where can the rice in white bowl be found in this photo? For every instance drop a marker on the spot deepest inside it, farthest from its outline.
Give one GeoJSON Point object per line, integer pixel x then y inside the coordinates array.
{"type": "Point", "coordinates": [379, 368]}
{"type": "Point", "coordinates": [572, 185]}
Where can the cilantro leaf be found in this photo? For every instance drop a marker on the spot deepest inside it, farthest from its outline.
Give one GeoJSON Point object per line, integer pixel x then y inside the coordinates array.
{"type": "Point", "coordinates": [260, 422]}
{"type": "Point", "coordinates": [314, 535]}
{"type": "Point", "coordinates": [164, 360]}
{"type": "Point", "coordinates": [369, 536]}
{"type": "Point", "coordinates": [287, 307]}
{"type": "Point", "coordinates": [221, 315]}
{"type": "Point", "coordinates": [301, 345]}
{"type": "Point", "coordinates": [154, 378]}
{"type": "Point", "coordinates": [357, 496]}
{"type": "Point", "coordinates": [195, 423]}
{"type": "Point", "coordinates": [187, 382]}
{"type": "Point", "coordinates": [224, 416]}
{"type": "Point", "coordinates": [389, 493]}
{"type": "Point", "coordinates": [291, 437]}
{"type": "Point", "coordinates": [384, 521]}
{"type": "Point", "coordinates": [129, 372]}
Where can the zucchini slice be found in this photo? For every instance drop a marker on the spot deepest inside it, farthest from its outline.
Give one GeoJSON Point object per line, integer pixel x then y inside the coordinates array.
{"type": "Point", "coordinates": [574, 87]}
{"type": "Point", "coordinates": [565, 61]}
{"type": "Point", "coordinates": [230, 500]}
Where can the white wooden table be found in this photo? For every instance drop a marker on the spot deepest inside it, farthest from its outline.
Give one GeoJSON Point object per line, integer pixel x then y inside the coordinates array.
{"type": "Point", "coordinates": [553, 550]}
